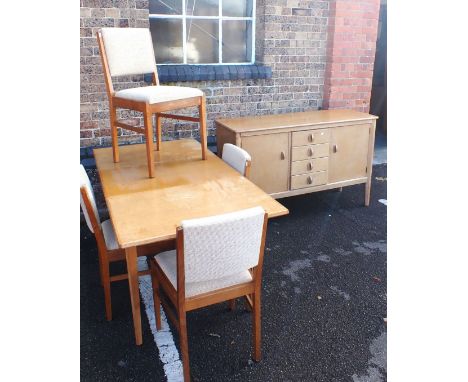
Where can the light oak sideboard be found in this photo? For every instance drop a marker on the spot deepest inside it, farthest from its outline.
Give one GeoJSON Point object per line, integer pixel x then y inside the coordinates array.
{"type": "Point", "coordinates": [298, 153]}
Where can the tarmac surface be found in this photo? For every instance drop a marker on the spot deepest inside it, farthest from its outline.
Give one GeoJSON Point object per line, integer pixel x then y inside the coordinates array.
{"type": "Point", "coordinates": [323, 303]}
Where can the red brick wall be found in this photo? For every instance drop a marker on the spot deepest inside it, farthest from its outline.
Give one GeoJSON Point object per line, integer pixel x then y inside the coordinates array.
{"type": "Point", "coordinates": [94, 107]}
{"type": "Point", "coordinates": [352, 34]}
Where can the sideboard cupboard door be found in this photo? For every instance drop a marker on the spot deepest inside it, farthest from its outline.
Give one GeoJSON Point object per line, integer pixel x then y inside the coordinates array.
{"type": "Point", "coordinates": [348, 152]}
{"type": "Point", "coordinates": [270, 160]}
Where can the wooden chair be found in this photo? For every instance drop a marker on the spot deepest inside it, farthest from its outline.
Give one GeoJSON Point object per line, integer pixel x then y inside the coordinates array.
{"type": "Point", "coordinates": [108, 249]}
{"type": "Point", "coordinates": [217, 259]}
{"type": "Point", "coordinates": [129, 51]}
{"type": "Point", "coordinates": [237, 158]}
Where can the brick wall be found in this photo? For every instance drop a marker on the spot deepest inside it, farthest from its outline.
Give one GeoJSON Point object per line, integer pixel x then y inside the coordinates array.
{"type": "Point", "coordinates": [291, 37]}
{"type": "Point", "coordinates": [94, 110]}
{"type": "Point", "coordinates": [352, 35]}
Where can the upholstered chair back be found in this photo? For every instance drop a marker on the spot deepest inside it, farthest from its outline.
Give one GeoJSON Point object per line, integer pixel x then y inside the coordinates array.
{"type": "Point", "coordinates": [235, 157]}
{"type": "Point", "coordinates": [129, 51]}
{"type": "Point", "coordinates": [222, 245]}
{"type": "Point", "coordinates": [86, 184]}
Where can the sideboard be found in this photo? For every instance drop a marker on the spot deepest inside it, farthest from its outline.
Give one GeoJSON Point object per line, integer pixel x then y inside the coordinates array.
{"type": "Point", "coordinates": [298, 153]}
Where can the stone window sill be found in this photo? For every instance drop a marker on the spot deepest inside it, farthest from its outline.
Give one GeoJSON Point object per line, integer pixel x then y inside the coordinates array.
{"type": "Point", "coordinates": [175, 73]}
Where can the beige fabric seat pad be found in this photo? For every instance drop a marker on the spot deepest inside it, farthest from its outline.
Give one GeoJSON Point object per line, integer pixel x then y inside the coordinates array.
{"type": "Point", "coordinates": [168, 263]}
{"type": "Point", "coordinates": [109, 235]}
{"type": "Point", "coordinates": [158, 94]}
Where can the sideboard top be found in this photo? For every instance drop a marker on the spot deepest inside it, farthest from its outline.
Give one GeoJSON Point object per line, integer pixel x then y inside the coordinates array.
{"type": "Point", "coordinates": [306, 118]}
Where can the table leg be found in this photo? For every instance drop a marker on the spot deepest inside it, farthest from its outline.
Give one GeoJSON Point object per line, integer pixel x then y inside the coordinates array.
{"type": "Point", "coordinates": [132, 269]}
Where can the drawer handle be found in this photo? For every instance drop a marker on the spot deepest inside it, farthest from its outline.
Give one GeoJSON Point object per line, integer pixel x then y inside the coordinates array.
{"type": "Point", "coordinates": [309, 166]}
{"type": "Point", "coordinates": [335, 148]}
{"type": "Point", "coordinates": [311, 137]}
{"type": "Point", "coordinates": [310, 152]}
{"type": "Point", "coordinates": [309, 180]}
{"type": "Point", "coordinates": [282, 155]}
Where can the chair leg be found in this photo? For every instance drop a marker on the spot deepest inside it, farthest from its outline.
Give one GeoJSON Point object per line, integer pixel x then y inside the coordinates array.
{"type": "Point", "coordinates": [101, 277]}
{"type": "Point", "coordinates": [202, 115]}
{"type": "Point", "coordinates": [107, 290]}
{"type": "Point", "coordinates": [256, 324]}
{"type": "Point", "coordinates": [156, 300]}
{"type": "Point", "coordinates": [115, 139]}
{"type": "Point", "coordinates": [149, 141]}
{"type": "Point", "coordinates": [158, 132]}
{"type": "Point", "coordinates": [184, 345]}
{"type": "Point", "coordinates": [232, 304]}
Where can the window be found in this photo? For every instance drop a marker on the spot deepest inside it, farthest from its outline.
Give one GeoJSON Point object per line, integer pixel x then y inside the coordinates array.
{"type": "Point", "coordinates": [203, 31]}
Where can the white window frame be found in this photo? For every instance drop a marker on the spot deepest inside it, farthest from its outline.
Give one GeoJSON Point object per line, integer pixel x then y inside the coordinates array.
{"type": "Point", "coordinates": [184, 17]}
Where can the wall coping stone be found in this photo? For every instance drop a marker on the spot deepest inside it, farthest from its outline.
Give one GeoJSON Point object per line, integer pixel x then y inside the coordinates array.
{"type": "Point", "coordinates": [183, 73]}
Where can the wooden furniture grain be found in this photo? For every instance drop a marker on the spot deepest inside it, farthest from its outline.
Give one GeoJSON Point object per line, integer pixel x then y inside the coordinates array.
{"type": "Point", "coordinates": [299, 153]}
{"type": "Point", "coordinates": [129, 51]}
{"type": "Point", "coordinates": [108, 250]}
{"type": "Point", "coordinates": [236, 274]}
{"type": "Point", "coordinates": [148, 210]}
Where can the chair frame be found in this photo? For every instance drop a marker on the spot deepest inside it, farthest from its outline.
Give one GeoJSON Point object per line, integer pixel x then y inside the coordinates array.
{"type": "Point", "coordinates": [248, 165]}
{"type": "Point", "coordinates": [148, 110]}
{"type": "Point", "coordinates": [107, 256]}
{"type": "Point", "coordinates": [251, 291]}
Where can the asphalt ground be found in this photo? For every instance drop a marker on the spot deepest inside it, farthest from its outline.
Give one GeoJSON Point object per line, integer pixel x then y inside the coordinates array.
{"type": "Point", "coordinates": [323, 303]}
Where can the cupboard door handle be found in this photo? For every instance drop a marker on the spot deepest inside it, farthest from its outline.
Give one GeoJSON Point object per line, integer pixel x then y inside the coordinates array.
{"type": "Point", "coordinates": [310, 152]}
{"type": "Point", "coordinates": [311, 137]}
{"type": "Point", "coordinates": [282, 155]}
{"type": "Point", "coordinates": [309, 180]}
{"type": "Point", "coordinates": [335, 148]}
{"type": "Point", "coordinates": [309, 166]}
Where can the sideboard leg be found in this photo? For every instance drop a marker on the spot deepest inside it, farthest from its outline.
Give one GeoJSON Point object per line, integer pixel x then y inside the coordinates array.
{"type": "Point", "coordinates": [370, 159]}
{"type": "Point", "coordinates": [367, 196]}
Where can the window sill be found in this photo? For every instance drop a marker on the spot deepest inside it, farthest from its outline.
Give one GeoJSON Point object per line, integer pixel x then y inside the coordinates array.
{"type": "Point", "coordinates": [175, 73]}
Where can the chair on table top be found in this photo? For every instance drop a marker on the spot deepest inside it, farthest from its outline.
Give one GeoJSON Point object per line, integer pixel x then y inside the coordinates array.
{"type": "Point", "coordinates": [217, 258]}
{"type": "Point", "coordinates": [108, 249]}
{"type": "Point", "coordinates": [237, 158]}
{"type": "Point", "coordinates": [129, 51]}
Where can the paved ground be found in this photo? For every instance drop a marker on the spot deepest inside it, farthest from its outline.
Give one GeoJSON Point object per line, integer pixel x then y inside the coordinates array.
{"type": "Point", "coordinates": [324, 303]}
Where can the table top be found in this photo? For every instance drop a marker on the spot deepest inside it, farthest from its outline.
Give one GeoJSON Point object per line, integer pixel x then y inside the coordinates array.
{"type": "Point", "coordinates": [145, 210]}
{"type": "Point", "coordinates": [305, 118]}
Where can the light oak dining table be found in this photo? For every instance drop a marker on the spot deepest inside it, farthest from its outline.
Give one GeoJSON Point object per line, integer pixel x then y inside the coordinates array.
{"type": "Point", "coordinates": [146, 211]}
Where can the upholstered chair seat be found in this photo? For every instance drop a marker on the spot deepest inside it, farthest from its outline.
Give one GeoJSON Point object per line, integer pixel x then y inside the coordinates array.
{"type": "Point", "coordinates": [158, 94]}
{"type": "Point", "coordinates": [168, 263]}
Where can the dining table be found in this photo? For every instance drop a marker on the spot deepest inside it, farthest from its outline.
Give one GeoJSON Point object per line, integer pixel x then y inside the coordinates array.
{"type": "Point", "coordinates": [146, 211]}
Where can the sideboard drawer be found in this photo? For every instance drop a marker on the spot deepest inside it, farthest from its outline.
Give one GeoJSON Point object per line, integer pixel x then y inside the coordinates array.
{"type": "Point", "coordinates": [310, 137]}
{"type": "Point", "coordinates": [311, 151]}
{"type": "Point", "coordinates": [312, 165]}
{"type": "Point", "coordinates": [309, 180]}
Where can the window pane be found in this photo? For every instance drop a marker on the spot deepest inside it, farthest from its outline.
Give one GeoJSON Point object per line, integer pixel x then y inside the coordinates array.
{"type": "Point", "coordinates": [202, 41]}
{"type": "Point", "coordinates": [167, 40]}
{"type": "Point", "coordinates": [237, 8]}
{"type": "Point", "coordinates": [202, 7]}
{"type": "Point", "coordinates": [237, 41]}
{"type": "Point", "coordinates": [165, 7]}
